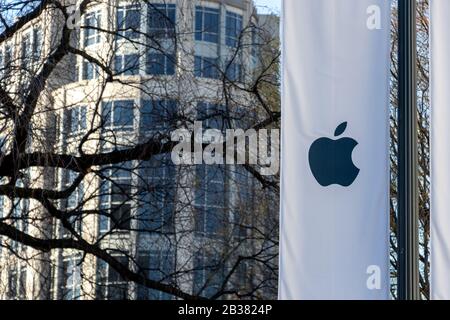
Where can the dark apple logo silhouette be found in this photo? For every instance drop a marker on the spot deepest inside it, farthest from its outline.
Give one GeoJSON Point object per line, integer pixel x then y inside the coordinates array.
{"type": "Point", "coordinates": [331, 160]}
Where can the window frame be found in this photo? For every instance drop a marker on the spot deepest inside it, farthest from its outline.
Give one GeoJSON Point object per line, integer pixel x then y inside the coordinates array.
{"type": "Point", "coordinates": [37, 44]}
{"type": "Point", "coordinates": [165, 266]}
{"type": "Point", "coordinates": [117, 178]}
{"type": "Point", "coordinates": [17, 277]}
{"type": "Point", "coordinates": [158, 172]}
{"type": "Point", "coordinates": [168, 11]}
{"type": "Point", "coordinates": [163, 108]}
{"type": "Point", "coordinates": [165, 62]}
{"type": "Point", "coordinates": [122, 66]}
{"type": "Point", "coordinates": [77, 197]}
{"type": "Point", "coordinates": [104, 284]}
{"type": "Point", "coordinates": [91, 33]}
{"type": "Point", "coordinates": [202, 31]}
{"type": "Point", "coordinates": [89, 70]}
{"type": "Point", "coordinates": [72, 290]}
{"type": "Point", "coordinates": [26, 51]}
{"type": "Point", "coordinates": [207, 68]}
{"type": "Point", "coordinates": [206, 274]}
{"type": "Point", "coordinates": [235, 72]}
{"type": "Point", "coordinates": [80, 122]}
{"type": "Point", "coordinates": [109, 118]}
{"type": "Point", "coordinates": [234, 25]}
{"type": "Point", "coordinates": [206, 112]}
{"type": "Point", "coordinates": [125, 32]}
{"type": "Point", "coordinates": [210, 212]}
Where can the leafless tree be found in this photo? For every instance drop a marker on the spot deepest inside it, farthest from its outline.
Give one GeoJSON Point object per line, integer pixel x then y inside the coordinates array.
{"type": "Point", "coordinates": [92, 204]}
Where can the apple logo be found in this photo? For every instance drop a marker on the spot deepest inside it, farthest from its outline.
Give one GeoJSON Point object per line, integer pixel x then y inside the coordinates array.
{"type": "Point", "coordinates": [331, 160]}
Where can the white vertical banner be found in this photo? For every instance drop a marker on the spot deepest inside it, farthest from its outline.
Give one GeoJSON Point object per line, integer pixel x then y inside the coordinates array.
{"type": "Point", "coordinates": [335, 151]}
{"type": "Point", "coordinates": [440, 149]}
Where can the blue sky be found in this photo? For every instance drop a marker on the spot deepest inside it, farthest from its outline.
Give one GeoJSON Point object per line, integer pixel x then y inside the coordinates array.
{"type": "Point", "coordinates": [265, 6]}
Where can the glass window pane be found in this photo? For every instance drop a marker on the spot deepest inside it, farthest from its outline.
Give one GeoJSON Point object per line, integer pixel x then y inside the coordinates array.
{"type": "Point", "coordinates": [74, 120]}
{"type": "Point", "coordinates": [198, 23]}
{"type": "Point", "coordinates": [120, 18]}
{"type": "Point", "coordinates": [155, 64]}
{"type": "Point", "coordinates": [209, 68]}
{"type": "Point", "coordinates": [198, 66]}
{"type": "Point", "coordinates": [170, 64]}
{"type": "Point", "coordinates": [212, 22]}
{"type": "Point", "coordinates": [107, 113]}
{"type": "Point", "coordinates": [83, 118]}
{"type": "Point", "coordinates": [161, 19]}
{"type": "Point", "coordinates": [118, 65]}
{"type": "Point", "coordinates": [120, 192]}
{"type": "Point", "coordinates": [133, 22]}
{"type": "Point", "coordinates": [67, 119]}
{"type": "Point", "coordinates": [128, 22]}
{"type": "Point", "coordinates": [207, 24]}
{"type": "Point", "coordinates": [131, 64]}
{"type": "Point", "coordinates": [147, 120]}
{"type": "Point", "coordinates": [103, 224]}
{"type": "Point", "coordinates": [123, 113]}
{"type": "Point", "coordinates": [121, 217]}
{"type": "Point", "coordinates": [233, 28]}
{"type": "Point", "coordinates": [37, 44]}
{"type": "Point", "coordinates": [206, 67]}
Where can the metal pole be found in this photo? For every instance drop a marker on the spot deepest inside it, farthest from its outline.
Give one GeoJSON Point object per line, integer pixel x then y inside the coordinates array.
{"type": "Point", "coordinates": [408, 250]}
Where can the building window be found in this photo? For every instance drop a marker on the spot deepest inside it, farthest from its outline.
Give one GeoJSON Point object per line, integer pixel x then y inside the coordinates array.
{"type": "Point", "coordinates": [158, 114]}
{"type": "Point", "coordinates": [211, 115]}
{"type": "Point", "coordinates": [23, 283]}
{"type": "Point", "coordinates": [256, 34]}
{"type": "Point", "coordinates": [127, 64]}
{"type": "Point", "coordinates": [20, 210]}
{"type": "Point", "coordinates": [12, 284]}
{"type": "Point", "coordinates": [26, 53]}
{"type": "Point", "coordinates": [233, 29]}
{"type": "Point", "coordinates": [208, 274]}
{"type": "Point", "coordinates": [20, 214]}
{"type": "Point", "coordinates": [207, 24]}
{"type": "Point", "coordinates": [89, 71]}
{"type": "Point", "coordinates": [157, 266]}
{"type": "Point", "coordinates": [161, 20]}
{"type": "Point", "coordinates": [75, 120]}
{"type": "Point", "coordinates": [17, 284]}
{"type": "Point", "coordinates": [73, 204]}
{"type": "Point", "coordinates": [234, 72]}
{"type": "Point", "coordinates": [110, 285]}
{"type": "Point", "coordinates": [92, 22]}
{"type": "Point", "coordinates": [206, 67]}
{"type": "Point", "coordinates": [115, 203]}
{"type": "Point", "coordinates": [158, 189]}
{"type": "Point", "coordinates": [119, 114]}
{"type": "Point", "coordinates": [71, 278]}
{"type": "Point", "coordinates": [160, 64]}
{"type": "Point", "coordinates": [128, 21]}
{"type": "Point", "coordinates": [210, 217]}
{"type": "Point", "coordinates": [242, 186]}
{"type": "Point", "coordinates": [243, 277]}
{"type": "Point", "coordinates": [37, 44]}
